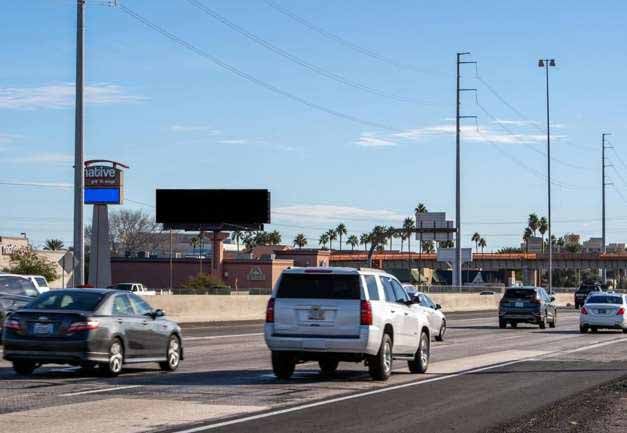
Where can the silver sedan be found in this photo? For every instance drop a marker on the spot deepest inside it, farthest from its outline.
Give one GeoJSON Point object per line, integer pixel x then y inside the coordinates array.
{"type": "Point", "coordinates": [435, 316]}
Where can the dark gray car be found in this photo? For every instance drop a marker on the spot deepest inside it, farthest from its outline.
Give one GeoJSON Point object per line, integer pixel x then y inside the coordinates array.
{"type": "Point", "coordinates": [15, 292]}
{"type": "Point", "coordinates": [527, 305]}
{"type": "Point", "coordinates": [91, 328]}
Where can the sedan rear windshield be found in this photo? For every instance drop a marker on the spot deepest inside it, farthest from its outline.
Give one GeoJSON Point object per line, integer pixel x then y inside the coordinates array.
{"type": "Point", "coordinates": [598, 299]}
{"type": "Point", "coordinates": [319, 286]}
{"type": "Point", "coordinates": [520, 293]}
{"type": "Point", "coordinates": [61, 300]}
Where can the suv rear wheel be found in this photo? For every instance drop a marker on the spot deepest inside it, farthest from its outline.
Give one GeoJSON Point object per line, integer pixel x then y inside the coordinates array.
{"type": "Point", "coordinates": [380, 365]}
{"type": "Point", "coordinates": [283, 364]}
{"type": "Point", "coordinates": [328, 367]}
{"type": "Point", "coordinates": [24, 368]}
{"type": "Point", "coordinates": [421, 358]}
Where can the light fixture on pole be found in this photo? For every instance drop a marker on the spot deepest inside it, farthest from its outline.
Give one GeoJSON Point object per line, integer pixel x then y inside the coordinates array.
{"type": "Point", "coordinates": [546, 64]}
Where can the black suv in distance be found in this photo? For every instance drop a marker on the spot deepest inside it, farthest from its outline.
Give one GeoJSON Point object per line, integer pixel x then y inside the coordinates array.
{"type": "Point", "coordinates": [527, 305]}
{"type": "Point", "coordinates": [583, 291]}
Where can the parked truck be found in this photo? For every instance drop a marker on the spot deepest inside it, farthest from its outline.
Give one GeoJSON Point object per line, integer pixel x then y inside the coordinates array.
{"type": "Point", "coordinates": [137, 288]}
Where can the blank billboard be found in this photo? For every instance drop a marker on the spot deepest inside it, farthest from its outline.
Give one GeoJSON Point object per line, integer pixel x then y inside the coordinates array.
{"type": "Point", "coordinates": [103, 196]}
{"type": "Point", "coordinates": [207, 207]}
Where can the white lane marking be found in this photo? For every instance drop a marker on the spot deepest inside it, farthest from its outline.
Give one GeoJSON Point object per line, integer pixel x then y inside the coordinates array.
{"type": "Point", "coordinates": [215, 337]}
{"type": "Point", "coordinates": [386, 389]}
{"type": "Point", "coordinates": [95, 391]}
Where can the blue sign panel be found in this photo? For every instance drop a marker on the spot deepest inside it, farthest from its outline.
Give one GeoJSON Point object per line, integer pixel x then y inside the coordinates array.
{"type": "Point", "coordinates": [102, 195]}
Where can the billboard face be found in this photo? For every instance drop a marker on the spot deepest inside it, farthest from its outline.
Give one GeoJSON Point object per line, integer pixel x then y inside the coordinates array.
{"type": "Point", "coordinates": [448, 255]}
{"type": "Point", "coordinates": [103, 176]}
{"type": "Point", "coordinates": [213, 207]}
{"type": "Point", "coordinates": [102, 196]}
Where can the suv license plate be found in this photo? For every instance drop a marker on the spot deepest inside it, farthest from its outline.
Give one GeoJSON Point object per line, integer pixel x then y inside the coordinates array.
{"type": "Point", "coordinates": [43, 328]}
{"type": "Point", "coordinates": [519, 304]}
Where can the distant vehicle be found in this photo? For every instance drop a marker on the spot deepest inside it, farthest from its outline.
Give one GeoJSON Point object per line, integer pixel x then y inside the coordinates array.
{"type": "Point", "coordinates": [96, 328]}
{"type": "Point", "coordinates": [410, 289]}
{"type": "Point", "coordinates": [137, 288]}
{"type": "Point", "coordinates": [527, 305]}
{"type": "Point", "coordinates": [343, 314]}
{"type": "Point", "coordinates": [437, 319]}
{"type": "Point", "coordinates": [583, 291]}
{"type": "Point", "coordinates": [604, 310]}
{"type": "Point", "coordinates": [40, 283]}
{"type": "Point", "coordinates": [15, 292]}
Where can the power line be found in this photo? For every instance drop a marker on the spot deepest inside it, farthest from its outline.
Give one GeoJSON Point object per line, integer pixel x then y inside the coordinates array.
{"type": "Point", "coordinates": [348, 44]}
{"type": "Point", "coordinates": [295, 59]}
{"type": "Point", "coordinates": [270, 87]}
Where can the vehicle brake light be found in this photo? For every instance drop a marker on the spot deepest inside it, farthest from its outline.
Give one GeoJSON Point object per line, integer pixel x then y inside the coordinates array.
{"type": "Point", "coordinates": [620, 311]}
{"type": "Point", "coordinates": [89, 325]}
{"type": "Point", "coordinates": [13, 324]}
{"type": "Point", "coordinates": [270, 311]}
{"type": "Point", "coordinates": [366, 313]}
{"type": "Point", "coordinates": [583, 310]}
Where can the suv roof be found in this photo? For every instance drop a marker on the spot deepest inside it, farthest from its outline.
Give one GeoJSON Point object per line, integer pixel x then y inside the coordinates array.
{"type": "Point", "coordinates": [333, 270]}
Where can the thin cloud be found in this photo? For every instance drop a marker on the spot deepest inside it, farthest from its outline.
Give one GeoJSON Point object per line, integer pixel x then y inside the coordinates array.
{"type": "Point", "coordinates": [318, 213]}
{"type": "Point", "coordinates": [195, 128]}
{"type": "Point", "coordinates": [369, 140]}
{"type": "Point", "coordinates": [233, 141]}
{"type": "Point", "coordinates": [42, 158]}
{"type": "Point", "coordinates": [8, 138]}
{"type": "Point", "coordinates": [60, 96]}
{"type": "Point", "coordinates": [57, 185]}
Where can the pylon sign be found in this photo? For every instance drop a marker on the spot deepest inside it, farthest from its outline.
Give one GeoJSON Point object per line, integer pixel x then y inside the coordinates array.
{"type": "Point", "coordinates": [104, 184]}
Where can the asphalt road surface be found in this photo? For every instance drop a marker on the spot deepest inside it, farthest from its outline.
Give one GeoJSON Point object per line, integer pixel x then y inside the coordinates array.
{"type": "Point", "coordinates": [480, 377]}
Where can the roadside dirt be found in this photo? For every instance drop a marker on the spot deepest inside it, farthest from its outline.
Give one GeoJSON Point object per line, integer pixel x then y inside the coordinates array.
{"type": "Point", "coordinates": [599, 410]}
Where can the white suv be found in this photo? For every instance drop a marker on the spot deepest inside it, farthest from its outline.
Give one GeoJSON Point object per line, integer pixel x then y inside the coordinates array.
{"type": "Point", "coordinates": [343, 314]}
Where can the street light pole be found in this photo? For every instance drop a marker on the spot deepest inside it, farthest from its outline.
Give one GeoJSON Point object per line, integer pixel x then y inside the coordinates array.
{"type": "Point", "coordinates": [79, 157]}
{"type": "Point", "coordinates": [603, 185]}
{"type": "Point", "coordinates": [546, 63]}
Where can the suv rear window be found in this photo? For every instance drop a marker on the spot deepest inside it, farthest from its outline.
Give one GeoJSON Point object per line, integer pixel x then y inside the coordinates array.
{"type": "Point", "coordinates": [520, 293]}
{"type": "Point", "coordinates": [588, 289]}
{"type": "Point", "coordinates": [602, 299]}
{"type": "Point", "coordinates": [319, 286]}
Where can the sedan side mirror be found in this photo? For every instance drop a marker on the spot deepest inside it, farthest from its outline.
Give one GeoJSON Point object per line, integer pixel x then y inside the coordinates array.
{"type": "Point", "coordinates": [156, 313]}
{"type": "Point", "coordinates": [552, 298]}
{"type": "Point", "coordinates": [438, 307]}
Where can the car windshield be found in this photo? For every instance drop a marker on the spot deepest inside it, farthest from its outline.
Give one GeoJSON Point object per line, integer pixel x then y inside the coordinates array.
{"type": "Point", "coordinates": [604, 299]}
{"type": "Point", "coordinates": [17, 286]}
{"type": "Point", "coordinates": [520, 293]}
{"type": "Point", "coordinates": [319, 286]}
{"type": "Point", "coordinates": [41, 281]}
{"type": "Point", "coordinates": [64, 300]}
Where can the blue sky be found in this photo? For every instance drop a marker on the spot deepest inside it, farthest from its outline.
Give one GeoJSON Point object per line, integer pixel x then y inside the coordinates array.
{"type": "Point", "coordinates": [180, 120]}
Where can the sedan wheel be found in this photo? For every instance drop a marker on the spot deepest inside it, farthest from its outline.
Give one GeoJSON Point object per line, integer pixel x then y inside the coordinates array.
{"type": "Point", "coordinates": [173, 355]}
{"type": "Point", "coordinates": [440, 336]}
{"type": "Point", "coordinates": [116, 359]}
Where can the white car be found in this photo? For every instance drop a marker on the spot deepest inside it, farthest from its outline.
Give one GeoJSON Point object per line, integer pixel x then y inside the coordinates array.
{"type": "Point", "coordinates": [40, 283]}
{"type": "Point", "coordinates": [435, 316]}
{"type": "Point", "coordinates": [343, 314]}
{"type": "Point", "coordinates": [604, 310]}
{"type": "Point", "coordinates": [410, 289]}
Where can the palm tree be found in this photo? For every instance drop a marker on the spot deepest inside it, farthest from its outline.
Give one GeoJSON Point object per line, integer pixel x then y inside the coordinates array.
{"type": "Point", "coordinates": [408, 230]}
{"type": "Point", "coordinates": [353, 241]}
{"type": "Point", "coordinates": [332, 236]}
{"type": "Point", "coordinates": [543, 226]}
{"type": "Point", "coordinates": [475, 238]}
{"type": "Point", "coordinates": [195, 241]}
{"type": "Point", "coordinates": [364, 239]}
{"type": "Point", "coordinates": [53, 245]}
{"type": "Point", "coordinates": [274, 237]}
{"type": "Point", "coordinates": [482, 244]}
{"type": "Point", "coordinates": [324, 240]}
{"type": "Point", "coordinates": [300, 240]}
{"type": "Point", "coordinates": [534, 223]}
{"type": "Point", "coordinates": [428, 247]}
{"type": "Point", "coordinates": [237, 236]}
{"type": "Point", "coordinates": [390, 233]}
{"type": "Point", "coordinates": [341, 230]}
{"type": "Point", "coordinates": [421, 208]}
{"type": "Point", "coordinates": [526, 236]}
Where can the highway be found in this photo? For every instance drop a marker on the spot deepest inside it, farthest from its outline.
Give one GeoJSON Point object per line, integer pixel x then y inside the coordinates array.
{"type": "Point", "coordinates": [479, 378]}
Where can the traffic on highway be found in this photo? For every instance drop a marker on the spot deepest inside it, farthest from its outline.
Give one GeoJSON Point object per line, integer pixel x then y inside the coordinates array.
{"type": "Point", "coordinates": [347, 321]}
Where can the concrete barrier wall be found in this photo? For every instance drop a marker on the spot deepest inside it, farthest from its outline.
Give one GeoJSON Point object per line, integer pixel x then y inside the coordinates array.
{"type": "Point", "coordinates": [217, 308]}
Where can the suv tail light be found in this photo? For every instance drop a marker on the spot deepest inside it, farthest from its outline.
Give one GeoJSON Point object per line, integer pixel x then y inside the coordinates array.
{"type": "Point", "coordinates": [583, 310]}
{"type": "Point", "coordinates": [620, 311]}
{"type": "Point", "coordinates": [270, 311]}
{"type": "Point", "coordinates": [89, 325]}
{"type": "Point", "coordinates": [13, 324]}
{"type": "Point", "coordinates": [366, 313]}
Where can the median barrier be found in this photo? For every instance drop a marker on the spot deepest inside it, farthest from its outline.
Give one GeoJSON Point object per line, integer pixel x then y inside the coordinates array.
{"type": "Point", "coordinates": [222, 308]}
